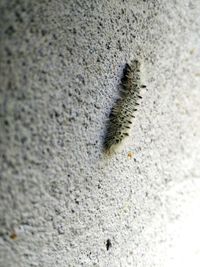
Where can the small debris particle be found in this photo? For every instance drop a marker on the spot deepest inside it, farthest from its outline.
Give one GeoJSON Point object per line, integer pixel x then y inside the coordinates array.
{"type": "Point", "coordinates": [13, 235]}
{"type": "Point", "coordinates": [108, 244]}
{"type": "Point", "coordinates": [130, 155]}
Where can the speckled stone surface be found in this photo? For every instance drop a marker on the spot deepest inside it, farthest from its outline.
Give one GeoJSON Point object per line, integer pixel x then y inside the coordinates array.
{"type": "Point", "coordinates": [62, 201]}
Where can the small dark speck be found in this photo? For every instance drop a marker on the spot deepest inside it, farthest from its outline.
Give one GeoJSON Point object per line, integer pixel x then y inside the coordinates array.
{"type": "Point", "coordinates": [54, 36]}
{"type": "Point", "coordinates": [80, 78]}
{"type": "Point", "coordinates": [43, 32]}
{"type": "Point", "coordinates": [108, 244]}
{"type": "Point", "coordinates": [97, 106]}
{"type": "Point", "coordinates": [6, 122]}
{"type": "Point", "coordinates": [23, 139]}
{"type": "Point", "coordinates": [56, 114]}
{"type": "Point", "coordinates": [119, 45]}
{"type": "Point", "coordinates": [19, 18]}
{"type": "Point", "coordinates": [108, 46]}
{"type": "Point", "coordinates": [10, 30]}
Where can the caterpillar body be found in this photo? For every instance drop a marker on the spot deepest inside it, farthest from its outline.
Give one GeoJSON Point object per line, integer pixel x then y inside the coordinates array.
{"type": "Point", "coordinates": [121, 115]}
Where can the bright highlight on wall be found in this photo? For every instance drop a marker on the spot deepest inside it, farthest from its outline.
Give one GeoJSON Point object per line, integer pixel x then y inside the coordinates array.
{"type": "Point", "coordinates": [184, 231]}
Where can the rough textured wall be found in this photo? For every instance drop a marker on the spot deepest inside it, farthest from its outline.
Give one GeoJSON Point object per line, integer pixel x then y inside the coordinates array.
{"type": "Point", "coordinates": [63, 203]}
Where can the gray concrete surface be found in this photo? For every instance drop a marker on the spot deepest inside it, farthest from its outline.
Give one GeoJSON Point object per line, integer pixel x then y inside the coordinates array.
{"type": "Point", "coordinates": [61, 198]}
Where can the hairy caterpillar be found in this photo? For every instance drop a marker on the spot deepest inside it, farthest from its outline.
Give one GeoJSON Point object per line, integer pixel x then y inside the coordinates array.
{"type": "Point", "coordinates": [121, 115]}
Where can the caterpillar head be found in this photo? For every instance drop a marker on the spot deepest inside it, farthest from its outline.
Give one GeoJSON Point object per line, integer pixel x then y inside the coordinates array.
{"type": "Point", "coordinates": [135, 65]}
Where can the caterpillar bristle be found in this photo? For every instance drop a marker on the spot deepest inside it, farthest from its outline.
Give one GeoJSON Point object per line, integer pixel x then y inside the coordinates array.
{"type": "Point", "coordinates": [122, 112]}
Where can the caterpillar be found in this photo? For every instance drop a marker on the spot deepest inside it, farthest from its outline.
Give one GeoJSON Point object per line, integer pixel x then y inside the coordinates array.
{"type": "Point", "coordinates": [121, 116]}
